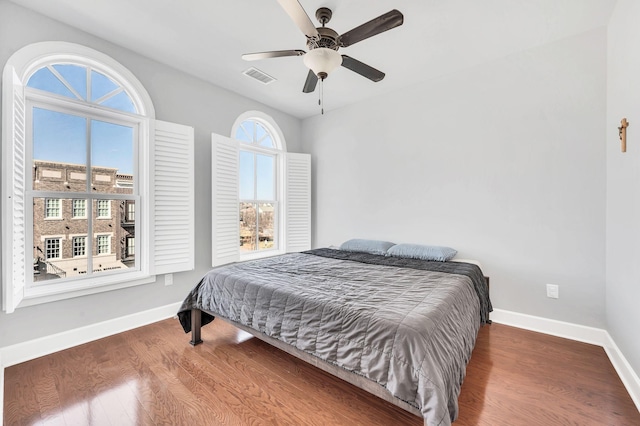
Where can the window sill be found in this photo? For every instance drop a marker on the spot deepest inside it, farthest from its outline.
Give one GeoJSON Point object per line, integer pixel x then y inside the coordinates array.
{"type": "Point", "coordinates": [52, 293]}
{"type": "Point", "coordinates": [261, 254]}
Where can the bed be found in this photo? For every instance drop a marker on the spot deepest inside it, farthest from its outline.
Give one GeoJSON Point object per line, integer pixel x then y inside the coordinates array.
{"type": "Point", "coordinates": [402, 329]}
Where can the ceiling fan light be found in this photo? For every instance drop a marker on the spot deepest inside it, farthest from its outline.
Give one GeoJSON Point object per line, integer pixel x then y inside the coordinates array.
{"type": "Point", "coordinates": [322, 60]}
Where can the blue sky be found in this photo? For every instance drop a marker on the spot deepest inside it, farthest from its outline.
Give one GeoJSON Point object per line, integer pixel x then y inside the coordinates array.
{"type": "Point", "coordinates": [262, 165]}
{"type": "Point", "coordinates": [63, 137]}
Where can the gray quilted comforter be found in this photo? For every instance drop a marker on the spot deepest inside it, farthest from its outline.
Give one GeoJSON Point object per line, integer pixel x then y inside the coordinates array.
{"type": "Point", "coordinates": [408, 325]}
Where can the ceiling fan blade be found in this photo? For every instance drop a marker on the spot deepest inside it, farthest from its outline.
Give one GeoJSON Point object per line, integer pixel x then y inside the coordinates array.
{"type": "Point", "coordinates": [310, 84]}
{"type": "Point", "coordinates": [376, 26]}
{"type": "Point", "coordinates": [272, 54]}
{"type": "Point", "coordinates": [296, 12]}
{"type": "Point", "coordinates": [362, 69]}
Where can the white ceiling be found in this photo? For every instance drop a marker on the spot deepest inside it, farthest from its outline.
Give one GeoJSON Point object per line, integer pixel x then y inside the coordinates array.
{"type": "Point", "coordinates": [207, 37]}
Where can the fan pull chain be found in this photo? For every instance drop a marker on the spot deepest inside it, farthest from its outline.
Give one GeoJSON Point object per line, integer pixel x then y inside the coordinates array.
{"type": "Point", "coordinates": [321, 99]}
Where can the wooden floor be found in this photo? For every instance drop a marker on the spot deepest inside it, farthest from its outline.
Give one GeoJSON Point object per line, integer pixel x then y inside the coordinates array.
{"type": "Point", "coordinates": [152, 376]}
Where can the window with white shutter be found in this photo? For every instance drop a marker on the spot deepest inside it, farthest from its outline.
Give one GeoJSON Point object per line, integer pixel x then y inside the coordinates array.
{"type": "Point", "coordinates": [261, 194]}
{"type": "Point", "coordinates": [83, 156]}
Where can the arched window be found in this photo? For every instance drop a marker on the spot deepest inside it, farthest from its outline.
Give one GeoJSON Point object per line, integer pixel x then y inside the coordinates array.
{"type": "Point", "coordinates": [80, 165]}
{"type": "Point", "coordinates": [261, 193]}
{"type": "Point", "coordinates": [259, 170]}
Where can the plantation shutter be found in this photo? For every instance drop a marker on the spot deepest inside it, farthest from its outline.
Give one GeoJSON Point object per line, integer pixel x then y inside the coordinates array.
{"type": "Point", "coordinates": [14, 176]}
{"type": "Point", "coordinates": [298, 202]}
{"type": "Point", "coordinates": [172, 198]}
{"type": "Point", "coordinates": [224, 208]}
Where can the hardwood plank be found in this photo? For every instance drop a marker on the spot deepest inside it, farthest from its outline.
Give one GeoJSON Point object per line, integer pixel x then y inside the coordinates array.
{"type": "Point", "coordinates": [21, 405]}
{"type": "Point", "coordinates": [152, 376]}
{"type": "Point", "coordinates": [334, 393]}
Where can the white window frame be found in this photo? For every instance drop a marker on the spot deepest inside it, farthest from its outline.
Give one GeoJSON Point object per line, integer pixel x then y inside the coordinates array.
{"type": "Point", "coordinates": [38, 99]}
{"type": "Point", "coordinates": [158, 142]}
{"type": "Point", "coordinates": [46, 248]}
{"type": "Point", "coordinates": [46, 208]}
{"type": "Point", "coordinates": [108, 209]}
{"type": "Point", "coordinates": [84, 246]}
{"type": "Point", "coordinates": [73, 208]}
{"type": "Point", "coordinates": [276, 155]}
{"type": "Point", "coordinates": [293, 189]}
{"type": "Point", "coordinates": [278, 152]}
{"type": "Point", "coordinates": [131, 246]}
{"type": "Point", "coordinates": [107, 245]}
{"type": "Point", "coordinates": [130, 214]}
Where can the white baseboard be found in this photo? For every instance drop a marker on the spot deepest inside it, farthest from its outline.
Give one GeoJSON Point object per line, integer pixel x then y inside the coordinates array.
{"type": "Point", "coordinates": [31, 349]}
{"type": "Point", "coordinates": [629, 378]}
{"type": "Point", "coordinates": [25, 351]}
{"type": "Point", "coordinates": [580, 333]}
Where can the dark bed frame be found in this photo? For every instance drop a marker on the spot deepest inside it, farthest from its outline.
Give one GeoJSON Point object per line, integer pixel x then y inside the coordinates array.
{"type": "Point", "coordinates": [356, 380]}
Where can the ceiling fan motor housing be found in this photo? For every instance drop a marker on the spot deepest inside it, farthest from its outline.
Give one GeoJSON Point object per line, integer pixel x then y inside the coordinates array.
{"type": "Point", "coordinates": [328, 39]}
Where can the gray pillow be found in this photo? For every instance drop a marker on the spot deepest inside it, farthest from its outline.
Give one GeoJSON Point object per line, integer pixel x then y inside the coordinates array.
{"type": "Point", "coordinates": [417, 251]}
{"type": "Point", "coordinates": [367, 246]}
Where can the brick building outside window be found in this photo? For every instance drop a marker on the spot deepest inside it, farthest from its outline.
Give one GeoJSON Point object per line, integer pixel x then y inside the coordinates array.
{"type": "Point", "coordinates": [60, 240]}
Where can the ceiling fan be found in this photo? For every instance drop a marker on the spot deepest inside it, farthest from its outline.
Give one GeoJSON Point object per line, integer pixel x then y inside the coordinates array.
{"type": "Point", "coordinates": [323, 43]}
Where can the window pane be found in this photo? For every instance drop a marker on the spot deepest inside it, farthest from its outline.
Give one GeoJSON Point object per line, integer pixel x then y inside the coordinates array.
{"type": "Point", "coordinates": [266, 222]}
{"type": "Point", "coordinates": [59, 151]}
{"type": "Point", "coordinates": [248, 131]}
{"type": "Point", "coordinates": [52, 249]}
{"type": "Point", "coordinates": [52, 208]}
{"type": "Point", "coordinates": [121, 102]}
{"type": "Point", "coordinates": [267, 141]}
{"type": "Point", "coordinates": [265, 177]}
{"type": "Point", "coordinates": [101, 85]}
{"type": "Point", "coordinates": [244, 133]}
{"type": "Point", "coordinates": [60, 245]}
{"type": "Point", "coordinates": [129, 211]}
{"type": "Point", "coordinates": [247, 177]}
{"type": "Point", "coordinates": [103, 209]}
{"type": "Point", "coordinates": [44, 79]}
{"type": "Point", "coordinates": [127, 233]}
{"type": "Point", "coordinates": [248, 225]}
{"type": "Point", "coordinates": [114, 230]}
{"type": "Point", "coordinates": [76, 77]}
{"type": "Point", "coordinates": [112, 157]}
{"type": "Point", "coordinates": [103, 244]}
{"type": "Point", "coordinates": [263, 138]}
{"type": "Point", "coordinates": [79, 209]}
{"type": "Point", "coordinates": [79, 246]}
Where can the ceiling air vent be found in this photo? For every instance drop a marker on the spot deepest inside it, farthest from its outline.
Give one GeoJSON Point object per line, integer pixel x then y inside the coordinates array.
{"type": "Point", "coordinates": [261, 76]}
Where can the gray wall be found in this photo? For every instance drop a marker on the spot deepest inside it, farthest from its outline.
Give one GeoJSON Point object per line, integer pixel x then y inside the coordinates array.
{"type": "Point", "coordinates": [178, 98]}
{"type": "Point", "coordinates": [504, 162]}
{"type": "Point", "coordinates": [623, 181]}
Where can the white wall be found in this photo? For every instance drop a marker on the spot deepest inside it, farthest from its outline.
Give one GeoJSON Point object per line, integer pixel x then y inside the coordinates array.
{"type": "Point", "coordinates": [178, 98]}
{"type": "Point", "coordinates": [504, 161]}
{"type": "Point", "coordinates": [623, 181]}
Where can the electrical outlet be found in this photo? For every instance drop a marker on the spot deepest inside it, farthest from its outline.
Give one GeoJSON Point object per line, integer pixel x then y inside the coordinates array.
{"type": "Point", "coordinates": [168, 279]}
{"type": "Point", "coordinates": [552, 291]}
